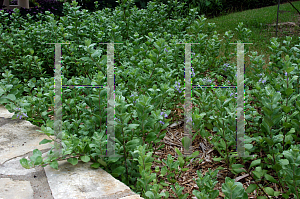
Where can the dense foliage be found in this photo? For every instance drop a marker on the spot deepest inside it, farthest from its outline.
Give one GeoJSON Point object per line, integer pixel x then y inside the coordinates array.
{"type": "Point", "coordinates": [149, 73]}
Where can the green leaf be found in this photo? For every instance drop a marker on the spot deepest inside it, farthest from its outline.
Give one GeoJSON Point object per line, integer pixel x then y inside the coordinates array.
{"type": "Point", "coordinates": [237, 166]}
{"type": "Point", "coordinates": [283, 162]}
{"type": "Point", "coordinates": [85, 158]}
{"type": "Point", "coordinates": [276, 97]}
{"type": "Point", "coordinates": [45, 141]}
{"type": "Point", "coordinates": [289, 91]}
{"type": "Point", "coordinates": [270, 178]}
{"type": "Point", "coordinates": [11, 97]}
{"type": "Point", "coordinates": [87, 59]}
{"type": "Point", "coordinates": [287, 125]}
{"type": "Point", "coordinates": [24, 163]}
{"type": "Point", "coordinates": [54, 164]}
{"type": "Point", "coordinates": [277, 193]}
{"type": "Point", "coordinates": [150, 194]}
{"type": "Point", "coordinates": [257, 174]}
{"type": "Point", "coordinates": [164, 184]}
{"type": "Point", "coordinates": [102, 162]}
{"type": "Point", "coordinates": [87, 41]}
{"type": "Point", "coordinates": [97, 53]}
{"type": "Point", "coordinates": [286, 109]}
{"type": "Point", "coordinates": [178, 152]}
{"type": "Point", "coordinates": [251, 188]}
{"type": "Point", "coordinates": [288, 139]}
{"type": "Point", "coordinates": [163, 171]}
{"type": "Point", "coordinates": [73, 161]}
{"type": "Point", "coordinates": [151, 137]}
{"type": "Point", "coordinates": [195, 154]}
{"type": "Point", "coordinates": [38, 160]}
{"type": "Point", "coordinates": [95, 165]}
{"type": "Point", "coordinates": [290, 69]}
{"type": "Point", "coordinates": [218, 159]}
{"type": "Point", "coordinates": [261, 197]}
{"type": "Point", "coordinates": [269, 121]}
{"type": "Point", "coordinates": [119, 170]}
{"type": "Point", "coordinates": [184, 169]}
{"type": "Point", "coordinates": [37, 152]}
{"type": "Point", "coordinates": [133, 143]}
{"type": "Point", "coordinates": [248, 146]}
{"type": "Point", "coordinates": [255, 163]}
{"type": "Point", "coordinates": [133, 126]}
{"type": "Point", "coordinates": [3, 100]}
{"type": "Point", "coordinates": [269, 191]}
{"type": "Point", "coordinates": [265, 125]}
{"type": "Point", "coordinates": [237, 171]}
{"type": "Point", "coordinates": [207, 3]}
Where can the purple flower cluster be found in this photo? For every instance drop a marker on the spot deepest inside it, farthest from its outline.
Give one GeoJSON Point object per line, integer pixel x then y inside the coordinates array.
{"type": "Point", "coordinates": [193, 72]}
{"type": "Point", "coordinates": [19, 114]}
{"type": "Point", "coordinates": [232, 94]}
{"type": "Point", "coordinates": [178, 87]}
{"type": "Point", "coordinates": [207, 80]}
{"type": "Point", "coordinates": [165, 117]}
{"type": "Point", "coordinates": [226, 65]}
{"type": "Point", "coordinates": [133, 96]}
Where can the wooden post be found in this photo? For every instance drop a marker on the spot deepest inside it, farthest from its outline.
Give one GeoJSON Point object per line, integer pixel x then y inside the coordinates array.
{"type": "Point", "coordinates": [21, 4]}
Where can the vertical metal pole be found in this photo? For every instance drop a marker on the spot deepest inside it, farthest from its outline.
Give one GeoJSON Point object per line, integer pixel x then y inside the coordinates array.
{"type": "Point", "coordinates": [188, 149]}
{"type": "Point", "coordinates": [23, 4]}
{"type": "Point", "coordinates": [110, 100]}
{"type": "Point", "coordinates": [277, 17]}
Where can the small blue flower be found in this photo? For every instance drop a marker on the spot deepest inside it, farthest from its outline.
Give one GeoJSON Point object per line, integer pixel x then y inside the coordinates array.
{"type": "Point", "coordinates": [232, 94]}
{"type": "Point", "coordinates": [166, 50]}
{"type": "Point", "coordinates": [285, 73]}
{"type": "Point", "coordinates": [193, 72]}
{"type": "Point", "coordinates": [262, 81]}
{"type": "Point", "coordinates": [161, 122]}
{"type": "Point", "coordinates": [177, 87]}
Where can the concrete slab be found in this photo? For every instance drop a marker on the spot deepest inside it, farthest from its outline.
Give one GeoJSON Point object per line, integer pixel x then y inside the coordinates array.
{"type": "Point", "coordinates": [18, 138]}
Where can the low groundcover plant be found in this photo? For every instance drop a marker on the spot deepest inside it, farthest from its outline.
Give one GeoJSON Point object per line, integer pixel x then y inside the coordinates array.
{"type": "Point", "coordinates": [149, 92]}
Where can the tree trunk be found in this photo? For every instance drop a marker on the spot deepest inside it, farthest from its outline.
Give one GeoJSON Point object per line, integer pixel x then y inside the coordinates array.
{"type": "Point", "coordinates": [1, 3]}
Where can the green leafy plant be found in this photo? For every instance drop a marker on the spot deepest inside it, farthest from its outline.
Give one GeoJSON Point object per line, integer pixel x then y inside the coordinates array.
{"type": "Point", "coordinates": [149, 80]}
{"type": "Point", "coordinates": [233, 189]}
{"type": "Point", "coordinates": [206, 185]}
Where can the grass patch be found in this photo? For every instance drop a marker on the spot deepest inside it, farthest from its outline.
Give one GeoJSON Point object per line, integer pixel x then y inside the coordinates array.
{"type": "Point", "coordinates": [256, 20]}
